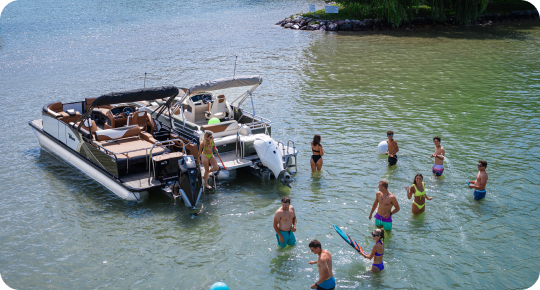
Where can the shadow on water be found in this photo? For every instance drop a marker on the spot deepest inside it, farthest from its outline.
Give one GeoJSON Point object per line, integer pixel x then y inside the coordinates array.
{"type": "Point", "coordinates": [281, 264]}
{"type": "Point", "coordinates": [501, 31]}
{"type": "Point", "coordinates": [96, 199]}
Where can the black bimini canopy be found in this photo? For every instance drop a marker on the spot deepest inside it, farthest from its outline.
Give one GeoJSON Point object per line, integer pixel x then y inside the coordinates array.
{"type": "Point", "coordinates": [146, 94]}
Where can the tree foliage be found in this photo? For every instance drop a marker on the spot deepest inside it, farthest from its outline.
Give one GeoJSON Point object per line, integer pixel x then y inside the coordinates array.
{"type": "Point", "coordinates": [399, 11]}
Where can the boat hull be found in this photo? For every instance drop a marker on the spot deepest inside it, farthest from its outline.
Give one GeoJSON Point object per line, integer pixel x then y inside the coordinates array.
{"type": "Point", "coordinates": [66, 155]}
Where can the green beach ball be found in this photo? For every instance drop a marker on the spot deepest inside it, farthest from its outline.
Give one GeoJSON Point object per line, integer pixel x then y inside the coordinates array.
{"type": "Point", "coordinates": [214, 121]}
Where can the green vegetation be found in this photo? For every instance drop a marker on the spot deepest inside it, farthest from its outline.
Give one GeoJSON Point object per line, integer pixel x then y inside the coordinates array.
{"type": "Point", "coordinates": [399, 11]}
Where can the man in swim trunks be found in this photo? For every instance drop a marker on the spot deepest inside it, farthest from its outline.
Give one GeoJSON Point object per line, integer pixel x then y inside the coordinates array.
{"type": "Point", "coordinates": [285, 223]}
{"type": "Point", "coordinates": [392, 149]}
{"type": "Point", "coordinates": [438, 166]}
{"type": "Point", "coordinates": [385, 200]}
{"type": "Point", "coordinates": [479, 184]}
{"type": "Point", "coordinates": [324, 263]}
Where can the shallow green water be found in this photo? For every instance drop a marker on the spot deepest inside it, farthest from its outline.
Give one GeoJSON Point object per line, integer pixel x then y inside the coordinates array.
{"type": "Point", "coordinates": [477, 88]}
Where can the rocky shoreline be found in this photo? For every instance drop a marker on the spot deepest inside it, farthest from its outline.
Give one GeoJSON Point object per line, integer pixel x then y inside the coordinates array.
{"type": "Point", "coordinates": [298, 22]}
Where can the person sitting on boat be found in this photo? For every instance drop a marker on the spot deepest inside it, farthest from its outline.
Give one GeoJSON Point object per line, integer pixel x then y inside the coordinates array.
{"type": "Point", "coordinates": [207, 156]}
{"type": "Point", "coordinates": [377, 252]}
{"type": "Point", "coordinates": [419, 190]}
{"type": "Point", "coordinates": [318, 152]}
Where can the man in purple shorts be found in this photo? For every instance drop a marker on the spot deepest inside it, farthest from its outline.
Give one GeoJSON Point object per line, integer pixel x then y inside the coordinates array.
{"type": "Point", "coordinates": [438, 166]}
{"type": "Point", "coordinates": [385, 200]}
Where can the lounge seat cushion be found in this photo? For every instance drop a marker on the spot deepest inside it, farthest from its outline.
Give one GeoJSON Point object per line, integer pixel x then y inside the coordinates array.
{"type": "Point", "coordinates": [118, 133]}
{"type": "Point", "coordinates": [223, 129]}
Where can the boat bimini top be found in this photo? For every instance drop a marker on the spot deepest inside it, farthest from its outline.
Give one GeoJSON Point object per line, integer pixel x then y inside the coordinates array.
{"type": "Point", "coordinates": [226, 83]}
{"type": "Point", "coordinates": [132, 96]}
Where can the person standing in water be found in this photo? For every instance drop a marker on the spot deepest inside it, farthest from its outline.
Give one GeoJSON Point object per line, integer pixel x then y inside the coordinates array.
{"type": "Point", "coordinates": [377, 252]}
{"type": "Point", "coordinates": [285, 223]}
{"type": "Point", "coordinates": [438, 166]}
{"type": "Point", "coordinates": [392, 149]}
{"type": "Point", "coordinates": [419, 190]}
{"type": "Point", "coordinates": [479, 184]}
{"type": "Point", "coordinates": [206, 156]}
{"type": "Point", "coordinates": [318, 152]}
{"type": "Point", "coordinates": [385, 200]}
{"type": "Point", "coordinates": [324, 263]}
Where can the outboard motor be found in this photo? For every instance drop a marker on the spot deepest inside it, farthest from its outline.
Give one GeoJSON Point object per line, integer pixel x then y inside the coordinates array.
{"type": "Point", "coordinates": [285, 178]}
{"type": "Point", "coordinates": [271, 156]}
{"type": "Point", "coordinates": [189, 180]}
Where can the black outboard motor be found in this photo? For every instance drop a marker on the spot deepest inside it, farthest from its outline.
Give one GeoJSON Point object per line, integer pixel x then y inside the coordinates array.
{"type": "Point", "coordinates": [285, 178]}
{"type": "Point", "coordinates": [190, 181]}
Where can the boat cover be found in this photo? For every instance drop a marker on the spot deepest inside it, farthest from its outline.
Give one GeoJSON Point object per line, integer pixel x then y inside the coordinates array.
{"type": "Point", "coordinates": [225, 83]}
{"type": "Point", "coordinates": [146, 94]}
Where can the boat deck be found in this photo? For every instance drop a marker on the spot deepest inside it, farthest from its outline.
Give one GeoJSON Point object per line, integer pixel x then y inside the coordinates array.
{"type": "Point", "coordinates": [140, 181]}
{"type": "Point", "coordinates": [38, 123]}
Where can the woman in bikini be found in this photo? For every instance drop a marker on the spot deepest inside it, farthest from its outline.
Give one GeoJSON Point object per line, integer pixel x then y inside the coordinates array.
{"type": "Point", "coordinates": [419, 190]}
{"type": "Point", "coordinates": [206, 156]}
{"type": "Point", "coordinates": [318, 152]}
{"type": "Point", "coordinates": [377, 252]}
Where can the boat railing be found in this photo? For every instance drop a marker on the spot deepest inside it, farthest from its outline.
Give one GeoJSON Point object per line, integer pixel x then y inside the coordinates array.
{"type": "Point", "coordinates": [287, 155]}
{"type": "Point", "coordinates": [108, 152]}
{"type": "Point", "coordinates": [152, 170]}
{"type": "Point", "coordinates": [126, 153]}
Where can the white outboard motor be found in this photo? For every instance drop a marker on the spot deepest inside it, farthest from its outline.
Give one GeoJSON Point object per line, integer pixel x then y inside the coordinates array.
{"type": "Point", "coordinates": [272, 157]}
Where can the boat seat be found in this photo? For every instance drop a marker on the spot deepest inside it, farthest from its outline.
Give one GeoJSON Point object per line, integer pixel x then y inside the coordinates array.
{"type": "Point", "coordinates": [218, 109]}
{"type": "Point", "coordinates": [57, 110]}
{"type": "Point", "coordinates": [139, 118]}
{"type": "Point", "coordinates": [223, 128]}
{"type": "Point", "coordinates": [72, 116]}
{"type": "Point", "coordinates": [89, 125]}
{"type": "Point", "coordinates": [117, 133]}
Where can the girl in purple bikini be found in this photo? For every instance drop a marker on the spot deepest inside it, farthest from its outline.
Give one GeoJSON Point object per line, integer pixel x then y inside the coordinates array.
{"type": "Point", "coordinates": [377, 252]}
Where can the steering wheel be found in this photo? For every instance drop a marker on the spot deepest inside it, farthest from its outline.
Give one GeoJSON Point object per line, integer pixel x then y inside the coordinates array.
{"type": "Point", "coordinates": [207, 99]}
{"type": "Point", "coordinates": [128, 111]}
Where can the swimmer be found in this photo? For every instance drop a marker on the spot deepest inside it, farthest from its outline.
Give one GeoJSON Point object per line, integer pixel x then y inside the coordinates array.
{"type": "Point", "coordinates": [479, 184]}
{"type": "Point", "coordinates": [377, 252]}
{"type": "Point", "coordinates": [324, 263]}
{"type": "Point", "coordinates": [392, 149]}
{"type": "Point", "coordinates": [438, 166]}
{"type": "Point", "coordinates": [385, 200]}
{"type": "Point", "coordinates": [206, 156]}
{"type": "Point", "coordinates": [285, 223]}
{"type": "Point", "coordinates": [318, 152]}
{"type": "Point", "coordinates": [419, 190]}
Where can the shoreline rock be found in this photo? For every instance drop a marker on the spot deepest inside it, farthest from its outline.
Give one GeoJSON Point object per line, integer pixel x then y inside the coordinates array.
{"type": "Point", "coordinates": [299, 22]}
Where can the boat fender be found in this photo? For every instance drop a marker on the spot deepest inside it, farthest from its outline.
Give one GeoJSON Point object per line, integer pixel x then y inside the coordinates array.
{"type": "Point", "coordinates": [383, 146]}
{"type": "Point", "coordinates": [244, 130]}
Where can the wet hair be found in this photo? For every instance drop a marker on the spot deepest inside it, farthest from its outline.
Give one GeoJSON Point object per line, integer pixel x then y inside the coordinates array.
{"type": "Point", "coordinates": [315, 244]}
{"type": "Point", "coordinates": [316, 140]}
{"type": "Point", "coordinates": [414, 180]}
{"type": "Point", "coordinates": [384, 184]}
{"type": "Point", "coordinates": [483, 162]}
{"type": "Point", "coordinates": [286, 199]}
{"type": "Point", "coordinates": [437, 138]}
{"type": "Point", "coordinates": [390, 133]}
{"type": "Point", "coordinates": [206, 135]}
{"type": "Point", "coordinates": [380, 233]}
